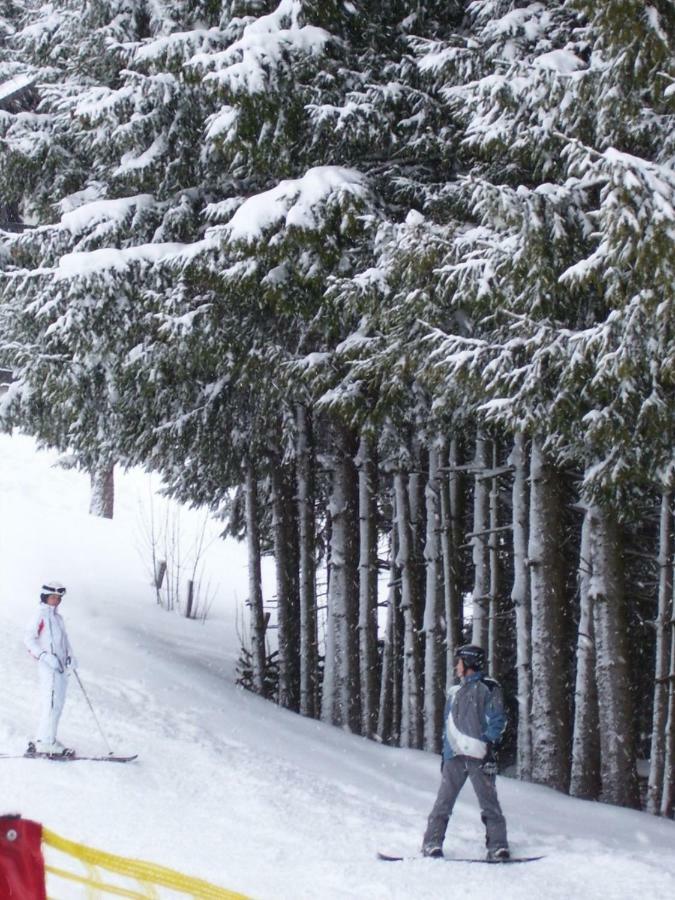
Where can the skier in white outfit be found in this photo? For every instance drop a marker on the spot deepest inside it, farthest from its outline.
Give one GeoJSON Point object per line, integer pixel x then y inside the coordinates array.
{"type": "Point", "coordinates": [47, 641]}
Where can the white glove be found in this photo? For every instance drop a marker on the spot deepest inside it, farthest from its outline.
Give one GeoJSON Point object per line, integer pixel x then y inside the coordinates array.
{"type": "Point", "coordinates": [51, 660]}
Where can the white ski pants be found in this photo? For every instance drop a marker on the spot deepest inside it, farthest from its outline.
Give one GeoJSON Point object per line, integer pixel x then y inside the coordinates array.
{"type": "Point", "coordinates": [52, 697]}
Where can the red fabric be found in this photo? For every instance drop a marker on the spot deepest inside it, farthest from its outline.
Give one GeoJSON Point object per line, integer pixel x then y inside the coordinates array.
{"type": "Point", "coordinates": [22, 867]}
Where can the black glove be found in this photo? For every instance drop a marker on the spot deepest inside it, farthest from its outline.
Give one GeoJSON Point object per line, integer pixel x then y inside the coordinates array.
{"type": "Point", "coordinates": [489, 764]}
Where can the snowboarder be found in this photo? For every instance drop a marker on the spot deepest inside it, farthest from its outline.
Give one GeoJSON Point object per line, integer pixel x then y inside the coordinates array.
{"type": "Point", "coordinates": [48, 643]}
{"type": "Point", "coordinates": [474, 722]}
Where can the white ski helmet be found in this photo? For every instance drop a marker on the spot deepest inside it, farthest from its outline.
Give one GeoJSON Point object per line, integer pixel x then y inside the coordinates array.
{"type": "Point", "coordinates": [51, 587]}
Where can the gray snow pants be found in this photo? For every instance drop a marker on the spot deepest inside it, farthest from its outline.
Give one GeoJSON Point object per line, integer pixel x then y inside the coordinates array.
{"type": "Point", "coordinates": [455, 773]}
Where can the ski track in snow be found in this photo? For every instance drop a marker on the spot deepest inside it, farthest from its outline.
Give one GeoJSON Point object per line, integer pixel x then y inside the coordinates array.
{"type": "Point", "coordinates": [228, 787]}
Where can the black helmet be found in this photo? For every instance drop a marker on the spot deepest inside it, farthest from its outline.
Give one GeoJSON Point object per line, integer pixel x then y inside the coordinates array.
{"type": "Point", "coordinates": [472, 656]}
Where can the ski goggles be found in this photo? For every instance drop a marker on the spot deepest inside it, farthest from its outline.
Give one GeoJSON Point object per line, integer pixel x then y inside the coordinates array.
{"type": "Point", "coordinates": [48, 589]}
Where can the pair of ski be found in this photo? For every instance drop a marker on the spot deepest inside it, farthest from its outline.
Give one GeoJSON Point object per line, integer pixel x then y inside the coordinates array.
{"type": "Point", "coordinates": [492, 862]}
{"type": "Point", "coordinates": [69, 756]}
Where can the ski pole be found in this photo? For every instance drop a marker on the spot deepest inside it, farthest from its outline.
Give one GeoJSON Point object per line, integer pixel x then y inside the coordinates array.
{"type": "Point", "coordinates": [98, 724]}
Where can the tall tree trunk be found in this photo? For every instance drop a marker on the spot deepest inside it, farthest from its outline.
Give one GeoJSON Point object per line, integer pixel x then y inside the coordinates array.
{"type": "Point", "coordinates": [417, 482]}
{"type": "Point", "coordinates": [255, 597]}
{"type": "Point", "coordinates": [450, 541]}
{"type": "Point", "coordinates": [617, 738]}
{"type": "Point", "coordinates": [585, 775]}
{"type": "Point", "coordinates": [520, 595]}
{"type": "Point", "coordinates": [102, 499]}
{"type": "Point", "coordinates": [367, 468]}
{"type": "Point", "coordinates": [550, 717]}
{"type": "Point", "coordinates": [283, 529]}
{"type": "Point", "coordinates": [307, 568]}
{"type": "Point", "coordinates": [389, 714]}
{"type": "Point", "coordinates": [662, 661]}
{"type": "Point", "coordinates": [411, 711]}
{"type": "Point", "coordinates": [434, 658]}
{"type": "Point", "coordinates": [340, 704]}
{"type": "Point", "coordinates": [493, 556]}
{"type": "Point", "coordinates": [668, 796]}
{"type": "Point", "coordinates": [291, 516]}
{"type": "Point", "coordinates": [481, 562]}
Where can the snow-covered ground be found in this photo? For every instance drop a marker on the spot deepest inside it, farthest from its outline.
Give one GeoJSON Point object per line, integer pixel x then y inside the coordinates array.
{"type": "Point", "coordinates": [228, 787]}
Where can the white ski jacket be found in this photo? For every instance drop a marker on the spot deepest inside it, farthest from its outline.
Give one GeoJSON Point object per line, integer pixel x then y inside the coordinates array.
{"type": "Point", "coordinates": [47, 634]}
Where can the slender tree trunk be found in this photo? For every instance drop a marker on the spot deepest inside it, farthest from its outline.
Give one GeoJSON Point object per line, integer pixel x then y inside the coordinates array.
{"type": "Point", "coordinates": [389, 715]}
{"type": "Point", "coordinates": [290, 508]}
{"type": "Point", "coordinates": [287, 602]}
{"type": "Point", "coordinates": [417, 481]}
{"type": "Point", "coordinates": [585, 776]}
{"type": "Point", "coordinates": [481, 562]}
{"type": "Point", "coordinates": [340, 704]}
{"type": "Point", "coordinates": [102, 500]}
{"type": "Point", "coordinates": [411, 711]}
{"type": "Point", "coordinates": [452, 594]}
{"type": "Point", "coordinates": [456, 484]}
{"type": "Point", "coordinates": [617, 739]}
{"type": "Point", "coordinates": [662, 661]}
{"type": "Point", "coordinates": [434, 658]}
{"type": "Point", "coordinates": [668, 796]}
{"type": "Point", "coordinates": [550, 718]}
{"type": "Point", "coordinates": [255, 597]}
{"type": "Point", "coordinates": [520, 595]}
{"type": "Point", "coordinates": [493, 555]}
{"type": "Point", "coordinates": [307, 568]}
{"type": "Point", "coordinates": [280, 538]}
{"type": "Point", "coordinates": [367, 468]}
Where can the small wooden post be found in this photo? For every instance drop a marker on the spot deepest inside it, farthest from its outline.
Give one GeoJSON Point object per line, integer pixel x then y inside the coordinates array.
{"type": "Point", "coordinates": [190, 598]}
{"type": "Point", "coordinates": [160, 572]}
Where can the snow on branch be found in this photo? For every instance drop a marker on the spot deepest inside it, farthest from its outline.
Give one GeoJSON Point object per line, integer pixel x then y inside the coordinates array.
{"type": "Point", "coordinates": [179, 46]}
{"type": "Point", "coordinates": [104, 213]}
{"type": "Point", "coordinates": [249, 65]}
{"type": "Point", "coordinates": [13, 88]}
{"type": "Point", "coordinates": [109, 259]}
{"type": "Point", "coordinates": [295, 203]}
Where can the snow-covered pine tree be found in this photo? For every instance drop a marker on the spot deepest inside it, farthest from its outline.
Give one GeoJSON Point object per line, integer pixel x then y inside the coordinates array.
{"type": "Point", "coordinates": [540, 353]}
{"type": "Point", "coordinates": [94, 192]}
{"type": "Point", "coordinates": [629, 157]}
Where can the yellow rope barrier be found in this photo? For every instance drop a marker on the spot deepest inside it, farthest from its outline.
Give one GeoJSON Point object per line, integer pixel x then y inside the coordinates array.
{"type": "Point", "coordinates": [97, 885]}
{"type": "Point", "coordinates": [137, 869]}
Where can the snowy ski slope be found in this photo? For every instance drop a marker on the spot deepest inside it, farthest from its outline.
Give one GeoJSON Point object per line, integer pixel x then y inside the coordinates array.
{"type": "Point", "coordinates": [228, 787]}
